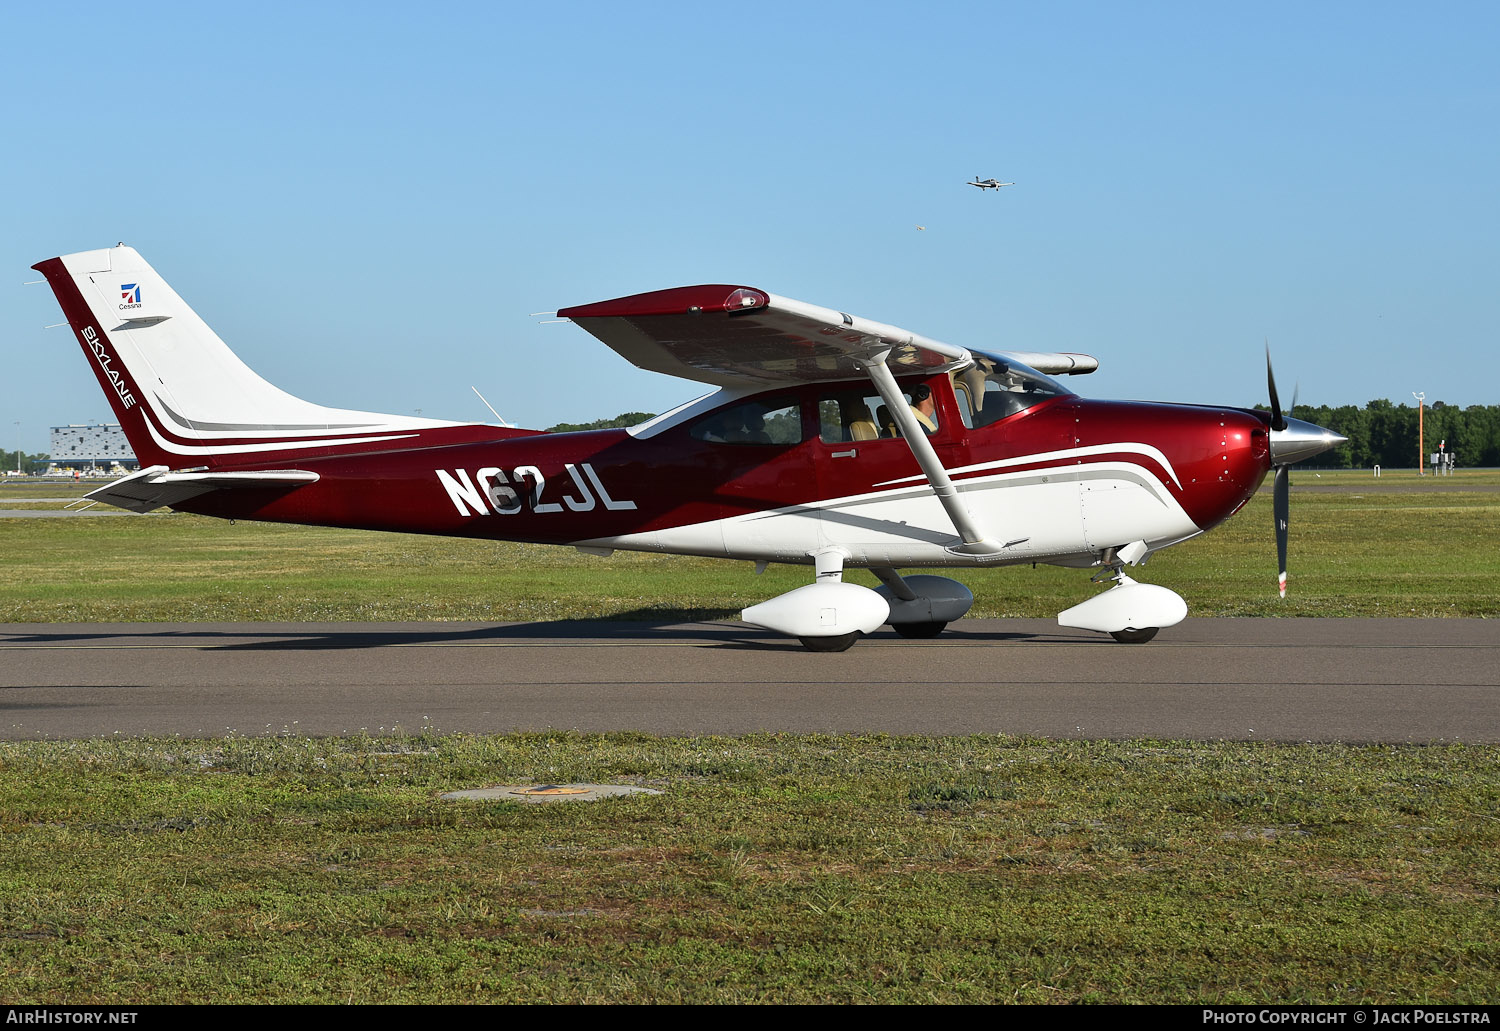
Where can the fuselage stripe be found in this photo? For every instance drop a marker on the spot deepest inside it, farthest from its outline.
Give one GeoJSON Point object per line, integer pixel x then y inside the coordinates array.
{"type": "Point", "coordinates": [1049, 459]}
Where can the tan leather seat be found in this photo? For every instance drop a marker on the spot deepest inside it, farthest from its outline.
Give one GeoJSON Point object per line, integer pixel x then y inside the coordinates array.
{"type": "Point", "coordinates": [857, 422]}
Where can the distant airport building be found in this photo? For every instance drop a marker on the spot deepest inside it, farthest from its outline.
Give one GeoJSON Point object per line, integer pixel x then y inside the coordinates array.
{"type": "Point", "coordinates": [97, 447]}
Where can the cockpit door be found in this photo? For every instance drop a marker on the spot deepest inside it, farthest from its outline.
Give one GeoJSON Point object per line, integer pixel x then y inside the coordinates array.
{"type": "Point", "coordinates": [874, 499]}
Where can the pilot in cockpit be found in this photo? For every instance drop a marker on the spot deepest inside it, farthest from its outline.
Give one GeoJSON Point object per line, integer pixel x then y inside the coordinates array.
{"type": "Point", "coordinates": [923, 407]}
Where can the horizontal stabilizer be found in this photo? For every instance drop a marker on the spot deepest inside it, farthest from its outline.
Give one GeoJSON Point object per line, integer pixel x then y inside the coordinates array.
{"type": "Point", "coordinates": [154, 487]}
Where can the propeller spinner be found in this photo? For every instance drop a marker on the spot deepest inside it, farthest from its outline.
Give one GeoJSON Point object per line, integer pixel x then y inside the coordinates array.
{"type": "Point", "coordinates": [1292, 440]}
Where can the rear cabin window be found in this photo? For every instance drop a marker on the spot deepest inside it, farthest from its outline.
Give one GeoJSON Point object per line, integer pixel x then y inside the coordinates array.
{"type": "Point", "coordinates": [776, 421]}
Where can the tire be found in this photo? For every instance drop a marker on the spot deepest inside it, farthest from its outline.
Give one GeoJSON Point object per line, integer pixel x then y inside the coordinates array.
{"type": "Point", "coordinates": [841, 643]}
{"type": "Point", "coordinates": [1133, 636]}
{"type": "Point", "coordinates": [918, 630]}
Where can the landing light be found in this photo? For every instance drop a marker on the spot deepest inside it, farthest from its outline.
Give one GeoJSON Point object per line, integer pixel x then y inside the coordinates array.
{"type": "Point", "coordinates": [744, 298]}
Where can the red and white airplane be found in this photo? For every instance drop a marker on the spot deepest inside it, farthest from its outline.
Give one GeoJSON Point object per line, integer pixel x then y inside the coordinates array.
{"type": "Point", "coordinates": [832, 442]}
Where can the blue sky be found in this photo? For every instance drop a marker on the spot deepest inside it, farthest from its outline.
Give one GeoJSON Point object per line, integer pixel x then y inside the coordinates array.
{"type": "Point", "coordinates": [367, 200]}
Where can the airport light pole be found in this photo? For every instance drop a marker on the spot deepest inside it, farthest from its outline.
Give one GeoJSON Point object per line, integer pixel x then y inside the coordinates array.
{"type": "Point", "coordinates": [1421, 451]}
{"type": "Point", "coordinates": [18, 447]}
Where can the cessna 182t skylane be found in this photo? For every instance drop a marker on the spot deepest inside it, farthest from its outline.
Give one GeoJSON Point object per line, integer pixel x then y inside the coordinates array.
{"type": "Point", "coordinates": [832, 442]}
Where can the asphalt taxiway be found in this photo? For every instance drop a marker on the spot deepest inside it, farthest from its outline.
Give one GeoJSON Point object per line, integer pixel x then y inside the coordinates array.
{"type": "Point", "coordinates": [1393, 680]}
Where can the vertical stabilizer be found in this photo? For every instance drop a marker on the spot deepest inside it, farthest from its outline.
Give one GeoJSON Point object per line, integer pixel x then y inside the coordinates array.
{"type": "Point", "coordinates": [183, 398]}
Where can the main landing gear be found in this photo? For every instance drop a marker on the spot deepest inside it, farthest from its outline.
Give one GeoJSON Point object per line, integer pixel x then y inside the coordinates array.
{"type": "Point", "coordinates": [829, 615]}
{"type": "Point", "coordinates": [841, 643]}
{"type": "Point", "coordinates": [918, 631]}
{"type": "Point", "coordinates": [922, 605]}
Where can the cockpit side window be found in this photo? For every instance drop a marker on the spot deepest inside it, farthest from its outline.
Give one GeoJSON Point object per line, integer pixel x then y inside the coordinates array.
{"type": "Point", "coordinates": [991, 390]}
{"type": "Point", "coordinates": [852, 415]}
{"type": "Point", "coordinates": [776, 421]}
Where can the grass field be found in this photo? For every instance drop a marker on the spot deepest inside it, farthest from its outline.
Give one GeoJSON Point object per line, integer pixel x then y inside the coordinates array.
{"type": "Point", "coordinates": [1397, 547]}
{"type": "Point", "coordinates": [771, 869]}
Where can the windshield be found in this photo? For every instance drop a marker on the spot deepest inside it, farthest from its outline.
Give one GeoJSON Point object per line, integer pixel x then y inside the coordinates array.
{"type": "Point", "coordinates": [994, 388]}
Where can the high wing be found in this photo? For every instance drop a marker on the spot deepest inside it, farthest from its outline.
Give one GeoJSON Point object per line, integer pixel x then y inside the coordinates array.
{"type": "Point", "coordinates": [741, 337]}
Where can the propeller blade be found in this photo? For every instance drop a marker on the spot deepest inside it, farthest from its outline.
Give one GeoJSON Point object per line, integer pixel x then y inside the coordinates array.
{"type": "Point", "coordinates": [1278, 421]}
{"type": "Point", "coordinates": [1282, 509]}
{"type": "Point", "coordinates": [1291, 440]}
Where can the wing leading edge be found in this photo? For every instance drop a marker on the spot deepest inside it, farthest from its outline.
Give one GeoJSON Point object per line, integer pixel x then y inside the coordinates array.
{"type": "Point", "coordinates": [741, 337]}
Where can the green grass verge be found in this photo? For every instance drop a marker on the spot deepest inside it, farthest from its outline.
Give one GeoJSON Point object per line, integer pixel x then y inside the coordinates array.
{"type": "Point", "coordinates": [781, 869]}
{"type": "Point", "coordinates": [772, 869]}
{"type": "Point", "coordinates": [1400, 548]}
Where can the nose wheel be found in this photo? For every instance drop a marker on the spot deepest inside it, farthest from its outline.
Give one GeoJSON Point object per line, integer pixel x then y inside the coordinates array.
{"type": "Point", "coordinates": [1129, 612]}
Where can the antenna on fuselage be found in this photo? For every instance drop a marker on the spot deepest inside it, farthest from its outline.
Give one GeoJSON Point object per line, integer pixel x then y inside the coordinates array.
{"type": "Point", "coordinates": [489, 406]}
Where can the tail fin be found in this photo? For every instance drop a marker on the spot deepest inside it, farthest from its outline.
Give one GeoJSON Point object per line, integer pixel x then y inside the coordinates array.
{"type": "Point", "coordinates": [183, 398]}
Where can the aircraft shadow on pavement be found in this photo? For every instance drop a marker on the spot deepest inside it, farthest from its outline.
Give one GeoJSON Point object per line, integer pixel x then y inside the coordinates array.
{"type": "Point", "coordinates": [642, 626]}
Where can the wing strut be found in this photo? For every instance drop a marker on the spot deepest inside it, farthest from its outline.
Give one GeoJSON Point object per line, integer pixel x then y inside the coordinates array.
{"type": "Point", "coordinates": [974, 541]}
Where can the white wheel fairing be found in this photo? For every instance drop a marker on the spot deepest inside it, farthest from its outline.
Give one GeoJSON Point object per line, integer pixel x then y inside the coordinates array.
{"type": "Point", "coordinates": [1127, 606]}
{"type": "Point", "coordinates": [825, 609]}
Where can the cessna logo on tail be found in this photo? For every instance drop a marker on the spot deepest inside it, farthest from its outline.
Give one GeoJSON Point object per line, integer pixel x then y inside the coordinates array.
{"type": "Point", "coordinates": [490, 491]}
{"type": "Point", "coordinates": [105, 359]}
{"type": "Point", "coordinates": [130, 295]}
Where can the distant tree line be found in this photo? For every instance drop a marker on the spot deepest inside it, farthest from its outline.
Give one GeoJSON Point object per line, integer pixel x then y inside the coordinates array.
{"type": "Point", "coordinates": [1383, 433]}
{"type": "Point", "coordinates": [29, 463]}
{"type": "Point", "coordinates": [627, 419]}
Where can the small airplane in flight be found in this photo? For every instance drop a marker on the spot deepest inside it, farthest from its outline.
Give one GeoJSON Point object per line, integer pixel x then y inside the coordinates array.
{"type": "Point", "coordinates": [831, 441]}
{"type": "Point", "coordinates": [989, 184]}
